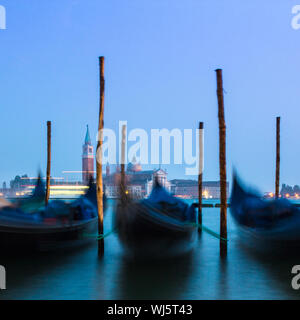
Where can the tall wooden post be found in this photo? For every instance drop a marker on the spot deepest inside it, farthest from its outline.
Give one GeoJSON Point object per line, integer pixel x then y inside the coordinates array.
{"type": "Point", "coordinates": [99, 181]}
{"type": "Point", "coordinates": [277, 157]}
{"type": "Point", "coordinates": [200, 175]}
{"type": "Point", "coordinates": [222, 160]}
{"type": "Point", "coordinates": [48, 162]}
{"type": "Point", "coordinates": [123, 182]}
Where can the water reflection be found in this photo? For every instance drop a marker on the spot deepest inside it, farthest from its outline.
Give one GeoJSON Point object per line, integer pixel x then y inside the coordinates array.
{"type": "Point", "coordinates": [246, 273]}
{"type": "Point", "coordinates": [31, 275]}
{"type": "Point", "coordinates": [165, 279]}
{"type": "Point", "coordinates": [223, 278]}
{"type": "Point", "coordinates": [277, 262]}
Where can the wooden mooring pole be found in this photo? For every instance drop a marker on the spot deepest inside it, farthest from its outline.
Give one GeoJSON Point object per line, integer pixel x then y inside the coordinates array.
{"type": "Point", "coordinates": [200, 175]}
{"type": "Point", "coordinates": [123, 180]}
{"type": "Point", "coordinates": [222, 160]}
{"type": "Point", "coordinates": [48, 162]}
{"type": "Point", "coordinates": [277, 158]}
{"type": "Point", "coordinates": [99, 181]}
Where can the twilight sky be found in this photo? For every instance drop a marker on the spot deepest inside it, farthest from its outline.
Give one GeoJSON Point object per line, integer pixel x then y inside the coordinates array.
{"type": "Point", "coordinates": [160, 62]}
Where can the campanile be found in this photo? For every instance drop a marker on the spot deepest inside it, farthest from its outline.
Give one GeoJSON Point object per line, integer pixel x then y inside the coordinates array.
{"type": "Point", "coordinates": [87, 158]}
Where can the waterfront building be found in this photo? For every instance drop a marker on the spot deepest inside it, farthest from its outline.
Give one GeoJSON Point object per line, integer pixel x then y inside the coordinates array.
{"type": "Point", "coordinates": [138, 182]}
{"type": "Point", "coordinates": [189, 189]}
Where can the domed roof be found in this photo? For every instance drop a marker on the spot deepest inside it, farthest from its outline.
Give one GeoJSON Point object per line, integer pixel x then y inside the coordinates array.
{"type": "Point", "coordinates": [134, 166]}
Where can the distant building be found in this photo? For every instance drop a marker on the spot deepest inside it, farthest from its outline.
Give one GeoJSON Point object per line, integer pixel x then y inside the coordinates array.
{"type": "Point", "coordinates": [189, 189]}
{"type": "Point", "coordinates": [139, 183]}
{"type": "Point", "coordinates": [4, 190]}
{"type": "Point", "coordinates": [23, 186]}
{"type": "Point", "coordinates": [87, 158]}
{"type": "Point", "coordinates": [288, 191]}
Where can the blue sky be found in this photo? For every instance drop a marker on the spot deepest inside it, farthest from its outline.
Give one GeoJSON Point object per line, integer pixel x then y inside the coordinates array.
{"type": "Point", "coordinates": [160, 62]}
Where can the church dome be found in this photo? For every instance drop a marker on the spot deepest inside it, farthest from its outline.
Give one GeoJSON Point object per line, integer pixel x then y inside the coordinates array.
{"type": "Point", "coordinates": [134, 166]}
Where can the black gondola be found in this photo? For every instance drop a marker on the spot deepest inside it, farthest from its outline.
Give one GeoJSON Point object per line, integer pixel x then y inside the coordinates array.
{"type": "Point", "coordinates": [272, 222]}
{"type": "Point", "coordinates": [157, 227]}
{"type": "Point", "coordinates": [25, 226]}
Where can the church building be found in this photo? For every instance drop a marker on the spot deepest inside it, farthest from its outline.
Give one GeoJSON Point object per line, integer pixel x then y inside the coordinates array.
{"type": "Point", "coordinates": [139, 182]}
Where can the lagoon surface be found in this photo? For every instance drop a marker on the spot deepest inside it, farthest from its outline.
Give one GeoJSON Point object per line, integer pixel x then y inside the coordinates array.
{"type": "Point", "coordinates": [202, 274]}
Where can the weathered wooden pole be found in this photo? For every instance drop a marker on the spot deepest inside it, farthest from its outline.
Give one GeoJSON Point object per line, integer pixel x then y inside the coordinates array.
{"type": "Point", "coordinates": [200, 175]}
{"type": "Point", "coordinates": [123, 182]}
{"type": "Point", "coordinates": [99, 181]}
{"type": "Point", "coordinates": [48, 162]}
{"type": "Point", "coordinates": [277, 158]}
{"type": "Point", "coordinates": [222, 160]}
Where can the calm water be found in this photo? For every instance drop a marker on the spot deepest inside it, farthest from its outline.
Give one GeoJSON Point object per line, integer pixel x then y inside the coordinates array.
{"type": "Point", "coordinates": [201, 275]}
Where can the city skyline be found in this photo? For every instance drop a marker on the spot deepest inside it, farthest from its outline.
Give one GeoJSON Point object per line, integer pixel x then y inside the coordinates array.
{"type": "Point", "coordinates": [75, 175]}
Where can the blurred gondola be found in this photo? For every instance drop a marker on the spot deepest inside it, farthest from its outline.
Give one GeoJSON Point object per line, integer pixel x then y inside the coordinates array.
{"type": "Point", "coordinates": [30, 225]}
{"type": "Point", "coordinates": [158, 227]}
{"type": "Point", "coordinates": [272, 223]}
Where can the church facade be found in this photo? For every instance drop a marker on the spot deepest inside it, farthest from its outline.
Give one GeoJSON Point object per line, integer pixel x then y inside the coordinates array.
{"type": "Point", "coordinates": [139, 182]}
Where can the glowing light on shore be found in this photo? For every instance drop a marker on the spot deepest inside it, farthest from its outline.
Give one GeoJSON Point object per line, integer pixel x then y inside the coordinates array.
{"type": "Point", "coordinates": [66, 192]}
{"type": "Point", "coordinates": [205, 194]}
{"type": "Point", "coordinates": [64, 187]}
{"type": "Point", "coordinates": [62, 190]}
{"type": "Point", "coordinates": [69, 187]}
{"type": "Point", "coordinates": [18, 194]}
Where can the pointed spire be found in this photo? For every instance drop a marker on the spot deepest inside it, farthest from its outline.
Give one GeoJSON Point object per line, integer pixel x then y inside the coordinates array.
{"type": "Point", "coordinates": [87, 139]}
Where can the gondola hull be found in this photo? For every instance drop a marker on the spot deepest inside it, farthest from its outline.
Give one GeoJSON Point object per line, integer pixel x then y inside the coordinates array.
{"type": "Point", "coordinates": [146, 238]}
{"type": "Point", "coordinates": [264, 224]}
{"type": "Point", "coordinates": [38, 238]}
{"type": "Point", "coordinates": [148, 233]}
{"type": "Point", "coordinates": [30, 226]}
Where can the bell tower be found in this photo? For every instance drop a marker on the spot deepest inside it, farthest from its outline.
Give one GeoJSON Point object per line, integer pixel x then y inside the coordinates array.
{"type": "Point", "coordinates": [87, 158]}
